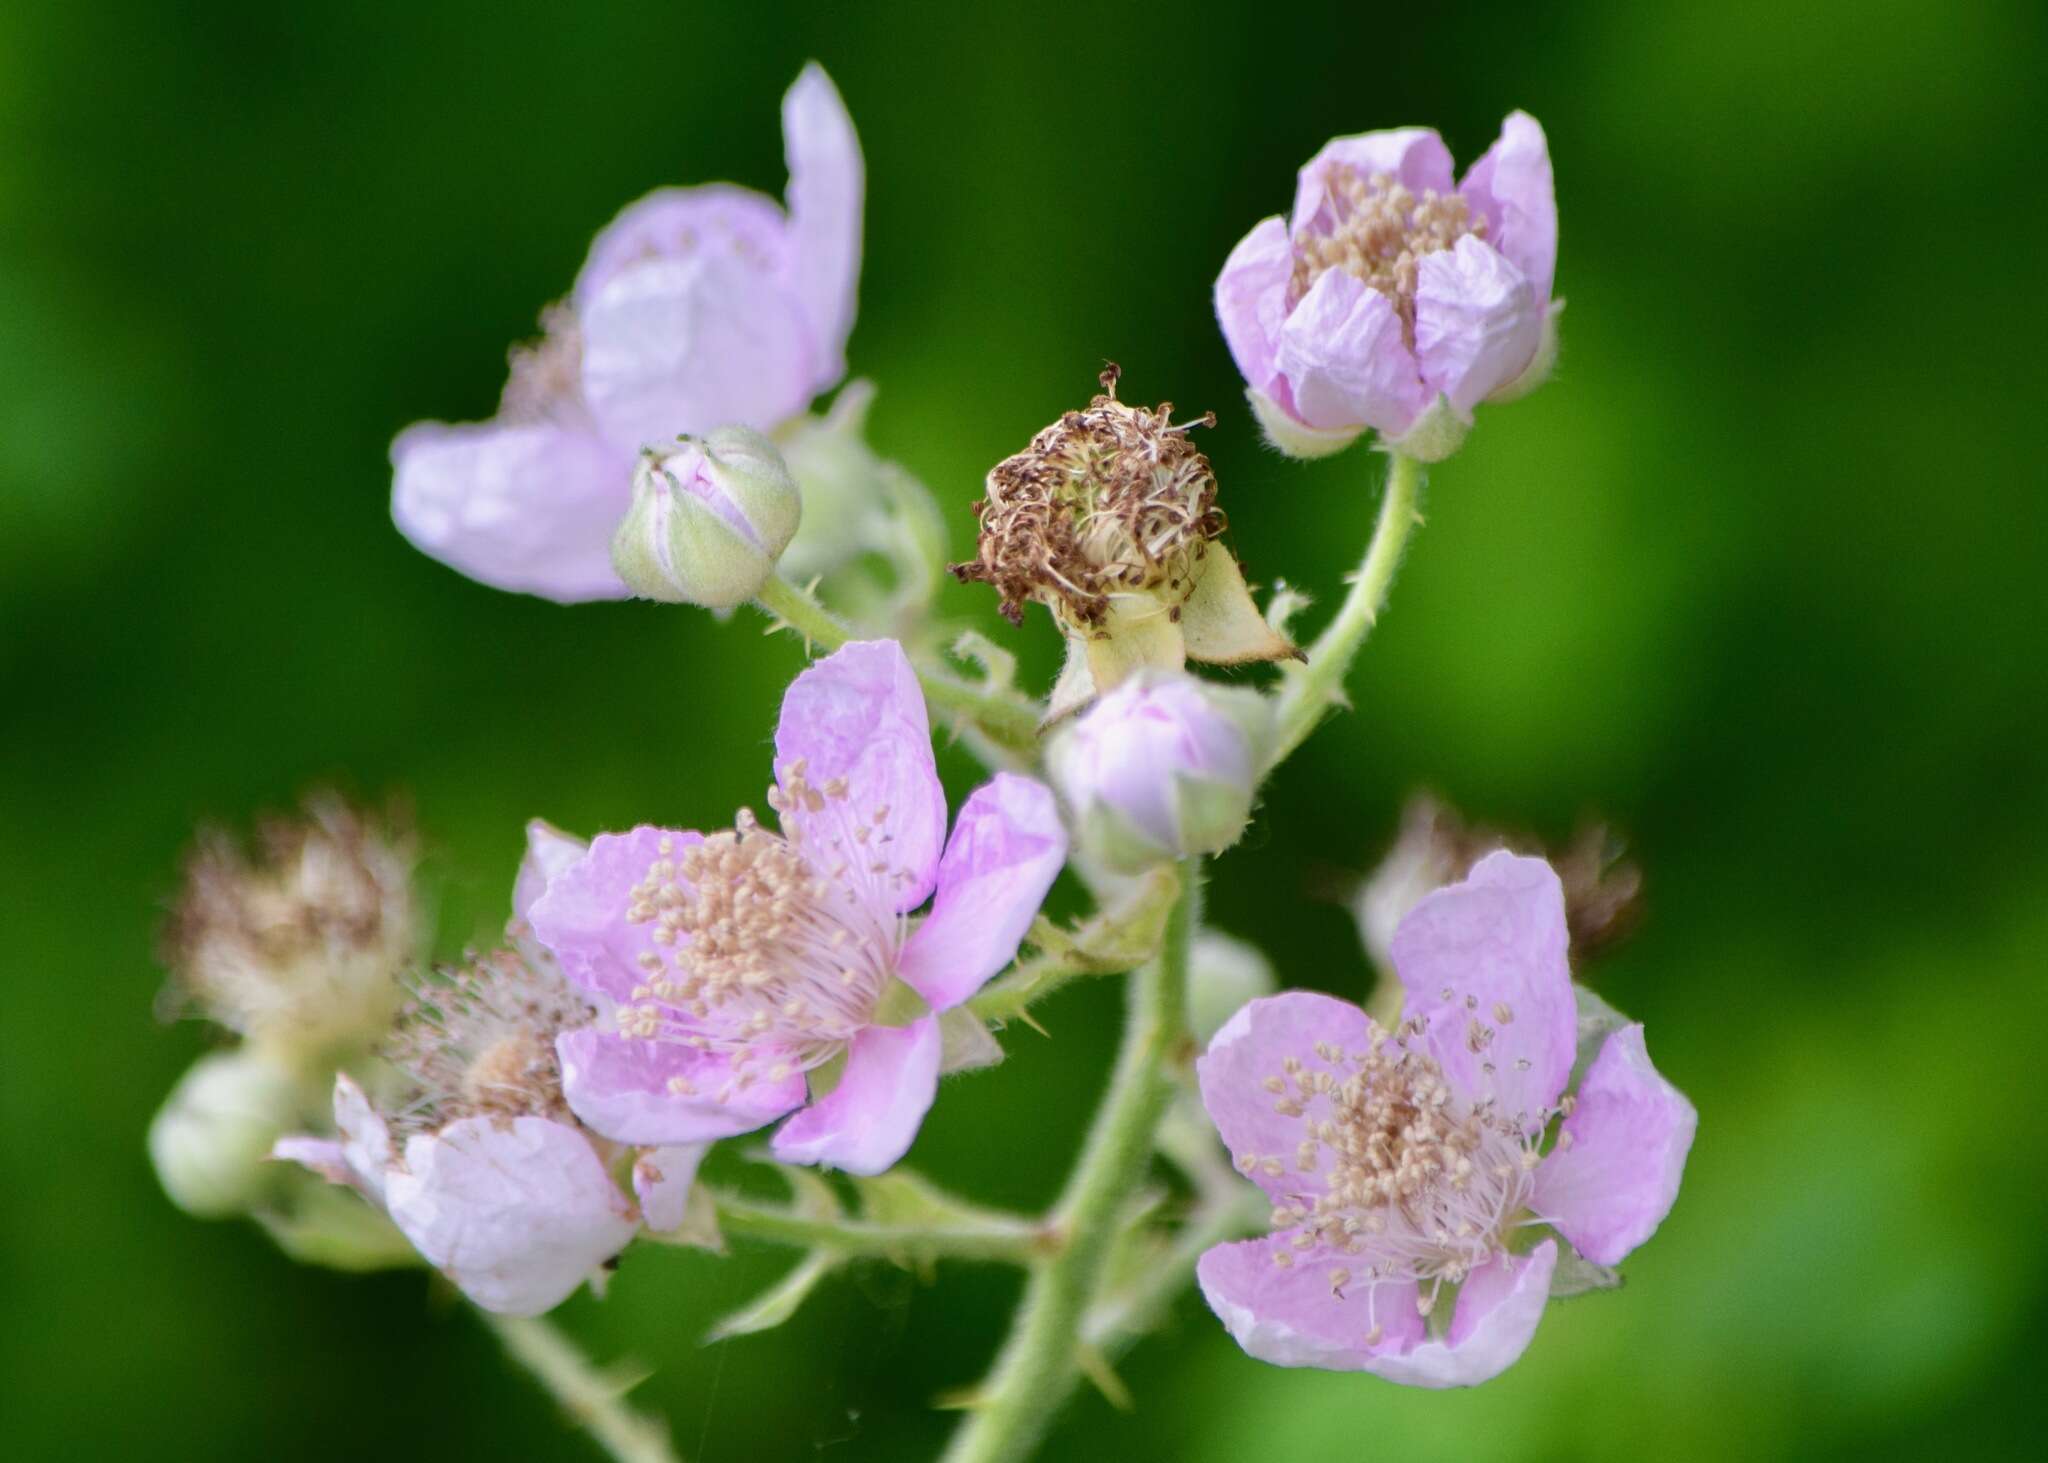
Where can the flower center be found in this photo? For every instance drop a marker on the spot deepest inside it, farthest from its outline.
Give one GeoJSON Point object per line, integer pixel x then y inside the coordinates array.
{"type": "Point", "coordinates": [1380, 235]}
{"type": "Point", "coordinates": [480, 1041]}
{"type": "Point", "coordinates": [546, 379]}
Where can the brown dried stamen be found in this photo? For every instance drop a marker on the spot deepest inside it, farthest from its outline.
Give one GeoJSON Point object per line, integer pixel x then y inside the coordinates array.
{"type": "Point", "coordinates": [546, 379]}
{"type": "Point", "coordinates": [1381, 235]}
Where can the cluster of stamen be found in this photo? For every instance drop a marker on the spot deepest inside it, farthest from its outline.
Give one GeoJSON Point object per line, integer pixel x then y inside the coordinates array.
{"type": "Point", "coordinates": [1109, 501]}
{"type": "Point", "coordinates": [1380, 233]}
{"type": "Point", "coordinates": [545, 383]}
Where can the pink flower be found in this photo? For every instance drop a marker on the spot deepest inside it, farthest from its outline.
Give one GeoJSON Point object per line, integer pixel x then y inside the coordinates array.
{"type": "Point", "coordinates": [748, 973]}
{"type": "Point", "coordinates": [1392, 301]}
{"type": "Point", "coordinates": [697, 308]}
{"type": "Point", "coordinates": [1402, 1164]}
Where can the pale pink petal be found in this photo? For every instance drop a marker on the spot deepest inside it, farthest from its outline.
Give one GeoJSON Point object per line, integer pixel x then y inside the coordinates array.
{"type": "Point", "coordinates": [678, 223]}
{"type": "Point", "coordinates": [1512, 189]}
{"type": "Point", "coordinates": [662, 1179]}
{"type": "Point", "coordinates": [1498, 1308]}
{"type": "Point", "coordinates": [529, 508]}
{"type": "Point", "coordinates": [581, 917]}
{"type": "Point", "coordinates": [1615, 1172]}
{"type": "Point", "coordinates": [868, 1121]}
{"type": "Point", "coordinates": [1007, 847]}
{"type": "Point", "coordinates": [659, 1092]}
{"type": "Point", "coordinates": [549, 851]}
{"type": "Point", "coordinates": [516, 1213]}
{"type": "Point", "coordinates": [1477, 322]}
{"type": "Point", "coordinates": [1293, 1315]}
{"type": "Point", "coordinates": [1249, 1050]}
{"type": "Point", "coordinates": [826, 183]}
{"type": "Point", "coordinates": [1251, 299]}
{"type": "Point", "coordinates": [365, 1138]}
{"type": "Point", "coordinates": [1413, 156]}
{"type": "Point", "coordinates": [1344, 359]}
{"type": "Point", "coordinates": [857, 718]}
{"type": "Point", "coordinates": [1489, 955]}
{"type": "Point", "coordinates": [323, 1156]}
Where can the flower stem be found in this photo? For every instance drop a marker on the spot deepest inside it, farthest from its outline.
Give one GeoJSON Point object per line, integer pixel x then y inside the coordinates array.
{"type": "Point", "coordinates": [1040, 1363]}
{"type": "Point", "coordinates": [1015, 1240]}
{"type": "Point", "coordinates": [1311, 689]}
{"type": "Point", "coordinates": [592, 1399]}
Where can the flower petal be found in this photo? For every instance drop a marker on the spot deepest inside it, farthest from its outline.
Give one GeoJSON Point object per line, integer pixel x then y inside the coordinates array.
{"type": "Point", "coordinates": [549, 851]}
{"type": "Point", "coordinates": [1511, 187]}
{"type": "Point", "coordinates": [1415, 157]}
{"type": "Point", "coordinates": [1345, 361]}
{"type": "Point", "coordinates": [1477, 322]}
{"type": "Point", "coordinates": [1490, 953]}
{"type": "Point", "coordinates": [1292, 1315]}
{"type": "Point", "coordinates": [530, 508]}
{"type": "Point", "coordinates": [1498, 1308]}
{"type": "Point", "coordinates": [660, 1092]}
{"type": "Point", "coordinates": [1007, 847]}
{"type": "Point", "coordinates": [1251, 299]}
{"type": "Point", "coordinates": [1620, 1155]}
{"type": "Point", "coordinates": [676, 223]}
{"type": "Point", "coordinates": [1249, 1050]}
{"type": "Point", "coordinates": [868, 1121]}
{"type": "Point", "coordinates": [662, 1179]}
{"type": "Point", "coordinates": [581, 917]}
{"type": "Point", "coordinates": [858, 715]}
{"type": "Point", "coordinates": [515, 1213]}
{"type": "Point", "coordinates": [365, 1139]}
{"type": "Point", "coordinates": [826, 183]}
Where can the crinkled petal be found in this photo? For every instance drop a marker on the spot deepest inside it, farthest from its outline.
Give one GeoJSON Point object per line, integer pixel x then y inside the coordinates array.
{"type": "Point", "coordinates": [581, 917]}
{"type": "Point", "coordinates": [1251, 299]}
{"type": "Point", "coordinates": [515, 1213]}
{"type": "Point", "coordinates": [658, 1092]}
{"type": "Point", "coordinates": [868, 1121]}
{"type": "Point", "coordinates": [549, 851]}
{"type": "Point", "coordinates": [529, 508]}
{"type": "Point", "coordinates": [1477, 322]}
{"type": "Point", "coordinates": [680, 223]}
{"type": "Point", "coordinates": [1345, 361]}
{"type": "Point", "coordinates": [1249, 1050]}
{"type": "Point", "coordinates": [662, 1179]}
{"type": "Point", "coordinates": [858, 716]}
{"type": "Point", "coordinates": [1512, 189]}
{"type": "Point", "coordinates": [685, 345]}
{"type": "Point", "coordinates": [1414, 156]}
{"type": "Point", "coordinates": [1498, 1308]}
{"type": "Point", "coordinates": [1007, 847]}
{"type": "Point", "coordinates": [1292, 1315]}
{"type": "Point", "coordinates": [826, 183]}
{"type": "Point", "coordinates": [1489, 954]}
{"type": "Point", "coordinates": [1614, 1174]}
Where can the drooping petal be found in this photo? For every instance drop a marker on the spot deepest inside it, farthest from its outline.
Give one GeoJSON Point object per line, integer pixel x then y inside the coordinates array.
{"type": "Point", "coordinates": [1498, 1308]}
{"type": "Point", "coordinates": [549, 851]}
{"type": "Point", "coordinates": [868, 1121]}
{"type": "Point", "coordinates": [1415, 157]}
{"type": "Point", "coordinates": [1511, 187]}
{"type": "Point", "coordinates": [1489, 955]}
{"type": "Point", "coordinates": [662, 1179]}
{"type": "Point", "coordinates": [1007, 847]}
{"type": "Point", "coordinates": [1477, 322]}
{"type": "Point", "coordinates": [323, 1156]}
{"type": "Point", "coordinates": [365, 1138]}
{"type": "Point", "coordinates": [1251, 299]}
{"type": "Point", "coordinates": [658, 1092]}
{"type": "Point", "coordinates": [826, 185]}
{"type": "Point", "coordinates": [1293, 1315]}
{"type": "Point", "coordinates": [1250, 1050]}
{"type": "Point", "coordinates": [1345, 361]}
{"type": "Point", "coordinates": [581, 917]}
{"type": "Point", "coordinates": [530, 507]}
{"type": "Point", "coordinates": [858, 717]}
{"type": "Point", "coordinates": [516, 1213]}
{"type": "Point", "coordinates": [1620, 1155]}
{"type": "Point", "coordinates": [678, 223]}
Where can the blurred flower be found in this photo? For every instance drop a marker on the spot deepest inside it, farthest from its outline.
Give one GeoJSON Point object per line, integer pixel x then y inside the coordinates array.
{"type": "Point", "coordinates": [299, 948]}
{"type": "Point", "coordinates": [710, 517]}
{"type": "Point", "coordinates": [1407, 1163]}
{"type": "Point", "coordinates": [1162, 767]}
{"type": "Point", "coordinates": [748, 972]}
{"type": "Point", "coordinates": [210, 1141]}
{"type": "Point", "coordinates": [697, 308]}
{"type": "Point", "coordinates": [1390, 300]}
{"type": "Point", "coordinates": [1109, 519]}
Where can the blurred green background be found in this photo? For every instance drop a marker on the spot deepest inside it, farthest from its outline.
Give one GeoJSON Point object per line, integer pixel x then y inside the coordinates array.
{"type": "Point", "coordinates": [1757, 577]}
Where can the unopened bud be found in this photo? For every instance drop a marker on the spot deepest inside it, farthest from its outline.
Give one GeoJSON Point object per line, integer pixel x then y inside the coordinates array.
{"type": "Point", "coordinates": [710, 518]}
{"type": "Point", "coordinates": [1224, 974]}
{"type": "Point", "coordinates": [211, 1140]}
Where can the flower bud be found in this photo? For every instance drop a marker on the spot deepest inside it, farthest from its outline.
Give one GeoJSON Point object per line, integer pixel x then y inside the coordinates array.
{"type": "Point", "coordinates": [710, 518]}
{"type": "Point", "coordinates": [1224, 973]}
{"type": "Point", "coordinates": [210, 1141]}
{"type": "Point", "coordinates": [1162, 767]}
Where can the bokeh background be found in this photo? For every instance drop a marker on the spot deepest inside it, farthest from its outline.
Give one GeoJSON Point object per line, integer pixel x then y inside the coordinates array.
{"type": "Point", "coordinates": [1757, 577]}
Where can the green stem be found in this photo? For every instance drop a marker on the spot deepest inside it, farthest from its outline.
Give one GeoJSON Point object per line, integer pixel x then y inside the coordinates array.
{"type": "Point", "coordinates": [1040, 1362]}
{"type": "Point", "coordinates": [1310, 690]}
{"type": "Point", "coordinates": [1016, 1241]}
{"type": "Point", "coordinates": [1115, 1325]}
{"type": "Point", "coordinates": [592, 1399]}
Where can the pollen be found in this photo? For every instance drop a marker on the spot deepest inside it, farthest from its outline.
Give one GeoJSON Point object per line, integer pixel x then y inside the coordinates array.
{"type": "Point", "coordinates": [1380, 234]}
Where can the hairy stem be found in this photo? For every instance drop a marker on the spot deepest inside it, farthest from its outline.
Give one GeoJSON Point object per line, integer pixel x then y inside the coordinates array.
{"type": "Point", "coordinates": [592, 1399]}
{"type": "Point", "coordinates": [1311, 690]}
{"type": "Point", "coordinates": [1016, 1240]}
{"type": "Point", "coordinates": [1040, 1362]}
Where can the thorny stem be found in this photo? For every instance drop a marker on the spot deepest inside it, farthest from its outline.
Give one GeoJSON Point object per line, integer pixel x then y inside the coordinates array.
{"type": "Point", "coordinates": [592, 1399]}
{"type": "Point", "coordinates": [1017, 1241]}
{"type": "Point", "coordinates": [1312, 689]}
{"type": "Point", "coordinates": [1040, 1362]}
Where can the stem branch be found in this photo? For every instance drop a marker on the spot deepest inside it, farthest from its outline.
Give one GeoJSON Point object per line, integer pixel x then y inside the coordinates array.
{"type": "Point", "coordinates": [1016, 1241]}
{"type": "Point", "coordinates": [592, 1399]}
